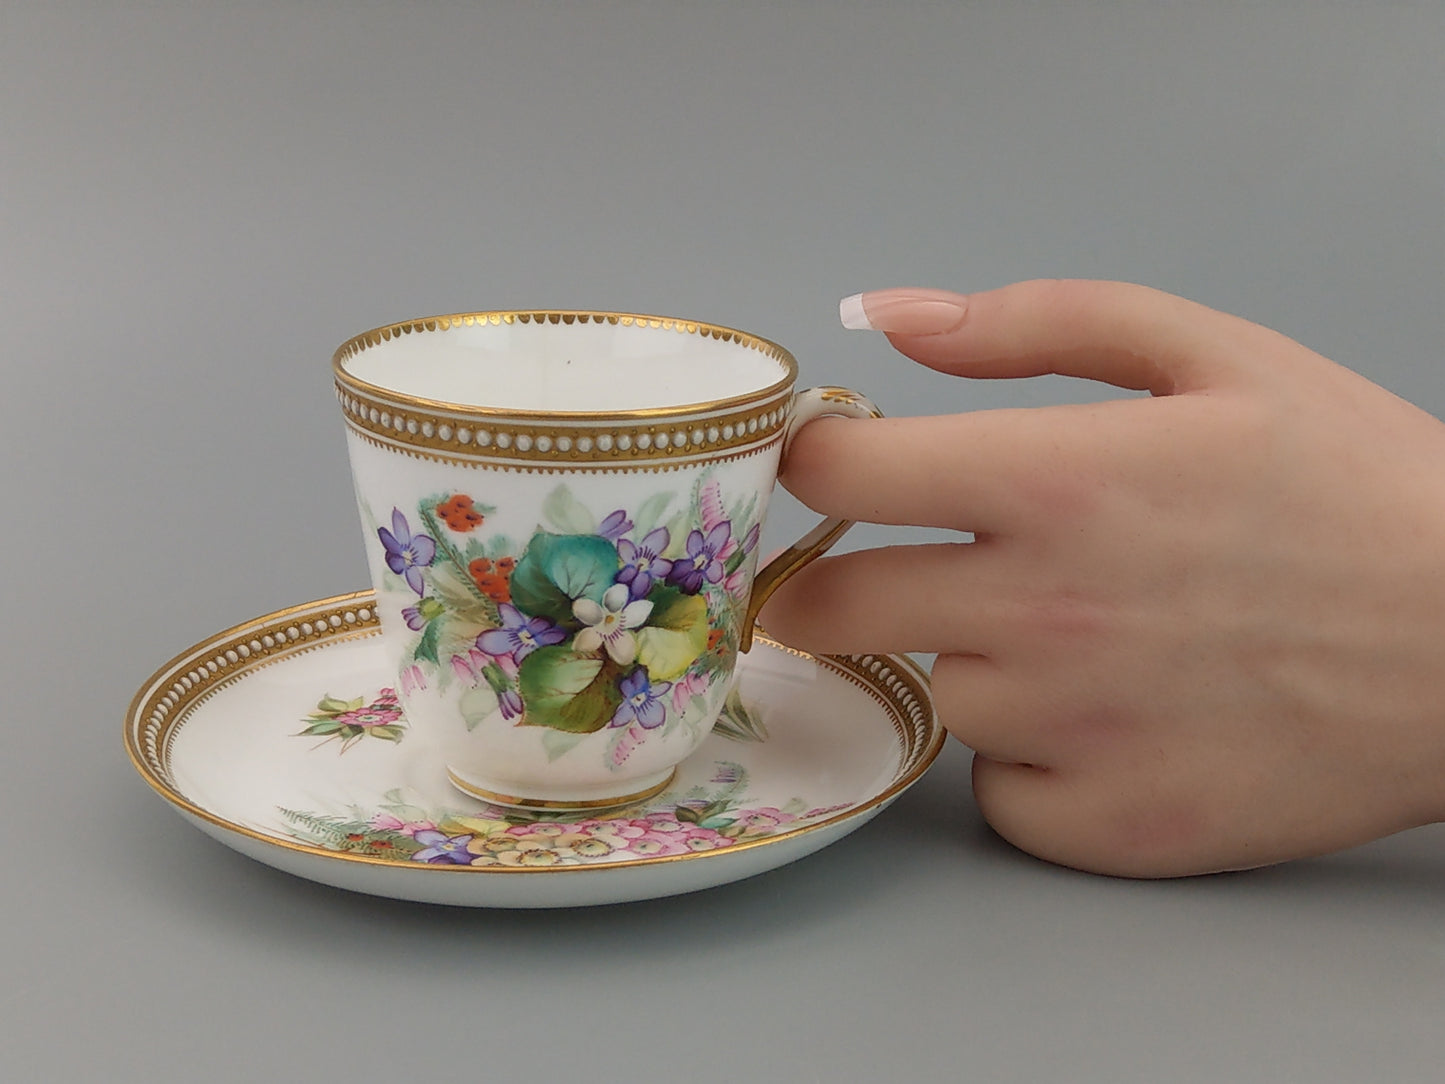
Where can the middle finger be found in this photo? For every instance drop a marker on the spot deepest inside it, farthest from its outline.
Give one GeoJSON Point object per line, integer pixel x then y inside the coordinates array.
{"type": "Point", "coordinates": [939, 597]}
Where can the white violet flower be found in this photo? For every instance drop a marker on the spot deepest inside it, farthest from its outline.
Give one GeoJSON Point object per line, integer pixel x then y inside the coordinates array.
{"type": "Point", "coordinates": [610, 624]}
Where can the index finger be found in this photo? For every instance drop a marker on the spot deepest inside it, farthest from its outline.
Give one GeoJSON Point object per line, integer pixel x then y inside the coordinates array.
{"type": "Point", "coordinates": [885, 470]}
{"type": "Point", "coordinates": [987, 472]}
{"type": "Point", "coordinates": [1116, 332]}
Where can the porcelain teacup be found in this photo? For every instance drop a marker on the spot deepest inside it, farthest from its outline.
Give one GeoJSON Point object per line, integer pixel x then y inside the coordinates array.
{"type": "Point", "coordinates": [561, 513]}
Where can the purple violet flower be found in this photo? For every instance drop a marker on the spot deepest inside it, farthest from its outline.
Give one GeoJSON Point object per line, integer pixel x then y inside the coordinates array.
{"type": "Point", "coordinates": [642, 562]}
{"type": "Point", "coordinates": [510, 701]}
{"type": "Point", "coordinates": [426, 609]}
{"type": "Point", "coordinates": [615, 526]}
{"type": "Point", "coordinates": [703, 562]}
{"type": "Point", "coordinates": [407, 554]}
{"type": "Point", "coordinates": [519, 635]}
{"type": "Point", "coordinates": [441, 848]}
{"type": "Point", "coordinates": [641, 700]}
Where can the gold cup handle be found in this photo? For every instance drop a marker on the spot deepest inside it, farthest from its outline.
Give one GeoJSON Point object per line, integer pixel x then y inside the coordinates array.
{"type": "Point", "coordinates": [807, 405]}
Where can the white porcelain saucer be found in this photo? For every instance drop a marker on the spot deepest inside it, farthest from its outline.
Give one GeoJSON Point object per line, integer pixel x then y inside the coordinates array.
{"type": "Point", "coordinates": [281, 739]}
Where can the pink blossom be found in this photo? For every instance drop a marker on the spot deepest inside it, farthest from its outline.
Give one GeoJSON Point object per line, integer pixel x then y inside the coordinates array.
{"type": "Point", "coordinates": [385, 822]}
{"type": "Point", "coordinates": [379, 714]}
{"type": "Point", "coordinates": [412, 680]}
{"type": "Point", "coordinates": [462, 667]}
{"type": "Point", "coordinates": [710, 506]}
{"type": "Point", "coordinates": [481, 659]}
{"type": "Point", "coordinates": [626, 742]}
{"type": "Point", "coordinates": [765, 818]}
{"type": "Point", "coordinates": [683, 691]}
{"type": "Point", "coordinates": [737, 583]}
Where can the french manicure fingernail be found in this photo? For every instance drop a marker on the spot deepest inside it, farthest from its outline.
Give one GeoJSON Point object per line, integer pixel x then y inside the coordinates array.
{"type": "Point", "coordinates": [853, 314]}
{"type": "Point", "coordinates": [904, 311]}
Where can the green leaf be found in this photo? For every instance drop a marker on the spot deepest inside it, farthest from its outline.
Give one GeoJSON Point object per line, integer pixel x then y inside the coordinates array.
{"type": "Point", "coordinates": [677, 610]}
{"type": "Point", "coordinates": [457, 635]}
{"type": "Point", "coordinates": [567, 691]}
{"type": "Point", "coordinates": [675, 633]}
{"type": "Point", "coordinates": [735, 562]}
{"type": "Point", "coordinates": [394, 802]}
{"type": "Point", "coordinates": [502, 546]}
{"type": "Point", "coordinates": [476, 704]}
{"type": "Point", "coordinates": [559, 568]}
{"type": "Point", "coordinates": [557, 742]}
{"type": "Point", "coordinates": [496, 678]}
{"type": "Point", "coordinates": [318, 827]}
{"type": "Point", "coordinates": [321, 727]}
{"type": "Point", "coordinates": [458, 594]}
{"type": "Point", "coordinates": [565, 512]}
{"type": "Point", "coordinates": [426, 647]}
{"type": "Point", "coordinates": [738, 722]}
{"type": "Point", "coordinates": [678, 528]}
{"type": "Point", "coordinates": [430, 609]}
{"type": "Point", "coordinates": [330, 705]}
{"type": "Point", "coordinates": [744, 517]}
{"type": "Point", "coordinates": [650, 513]}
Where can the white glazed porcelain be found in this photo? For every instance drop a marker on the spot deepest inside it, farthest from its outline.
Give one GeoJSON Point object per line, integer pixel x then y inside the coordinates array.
{"type": "Point", "coordinates": [562, 513]}
{"type": "Point", "coordinates": [283, 739]}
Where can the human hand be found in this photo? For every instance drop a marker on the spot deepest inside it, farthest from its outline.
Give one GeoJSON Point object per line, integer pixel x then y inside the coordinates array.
{"type": "Point", "coordinates": [1195, 632]}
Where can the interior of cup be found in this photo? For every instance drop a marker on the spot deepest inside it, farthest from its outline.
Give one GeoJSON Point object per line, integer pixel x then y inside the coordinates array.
{"type": "Point", "coordinates": [587, 363]}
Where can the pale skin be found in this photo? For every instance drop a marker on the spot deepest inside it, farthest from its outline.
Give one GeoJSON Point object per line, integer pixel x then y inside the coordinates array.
{"type": "Point", "coordinates": [1199, 631]}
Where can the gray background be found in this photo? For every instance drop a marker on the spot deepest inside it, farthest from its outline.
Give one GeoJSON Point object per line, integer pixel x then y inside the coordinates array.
{"type": "Point", "coordinates": [198, 202]}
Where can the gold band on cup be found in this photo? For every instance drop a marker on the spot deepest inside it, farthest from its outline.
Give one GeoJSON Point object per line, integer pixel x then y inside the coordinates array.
{"type": "Point", "coordinates": [578, 439]}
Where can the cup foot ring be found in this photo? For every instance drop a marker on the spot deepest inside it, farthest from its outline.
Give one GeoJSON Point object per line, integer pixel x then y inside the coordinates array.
{"type": "Point", "coordinates": [559, 805]}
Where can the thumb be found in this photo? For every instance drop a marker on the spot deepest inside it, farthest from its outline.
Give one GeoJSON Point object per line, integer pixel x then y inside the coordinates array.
{"type": "Point", "coordinates": [1126, 335]}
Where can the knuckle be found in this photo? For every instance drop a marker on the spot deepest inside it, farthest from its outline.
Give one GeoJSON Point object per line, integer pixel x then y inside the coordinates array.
{"type": "Point", "coordinates": [1059, 494]}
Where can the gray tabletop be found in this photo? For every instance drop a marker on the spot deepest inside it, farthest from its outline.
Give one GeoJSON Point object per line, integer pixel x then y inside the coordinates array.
{"type": "Point", "coordinates": [200, 201]}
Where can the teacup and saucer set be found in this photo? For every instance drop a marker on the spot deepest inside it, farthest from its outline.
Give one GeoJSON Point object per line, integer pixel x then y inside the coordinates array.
{"type": "Point", "coordinates": [555, 693]}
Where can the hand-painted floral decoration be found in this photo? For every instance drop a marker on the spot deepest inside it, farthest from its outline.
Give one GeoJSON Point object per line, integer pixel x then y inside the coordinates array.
{"type": "Point", "coordinates": [407, 554]}
{"type": "Point", "coordinates": [715, 816]}
{"type": "Point", "coordinates": [624, 622]}
{"type": "Point", "coordinates": [348, 721]}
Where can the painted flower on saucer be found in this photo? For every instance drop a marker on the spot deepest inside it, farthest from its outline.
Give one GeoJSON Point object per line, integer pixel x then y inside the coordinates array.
{"type": "Point", "coordinates": [349, 721]}
{"type": "Point", "coordinates": [705, 818]}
